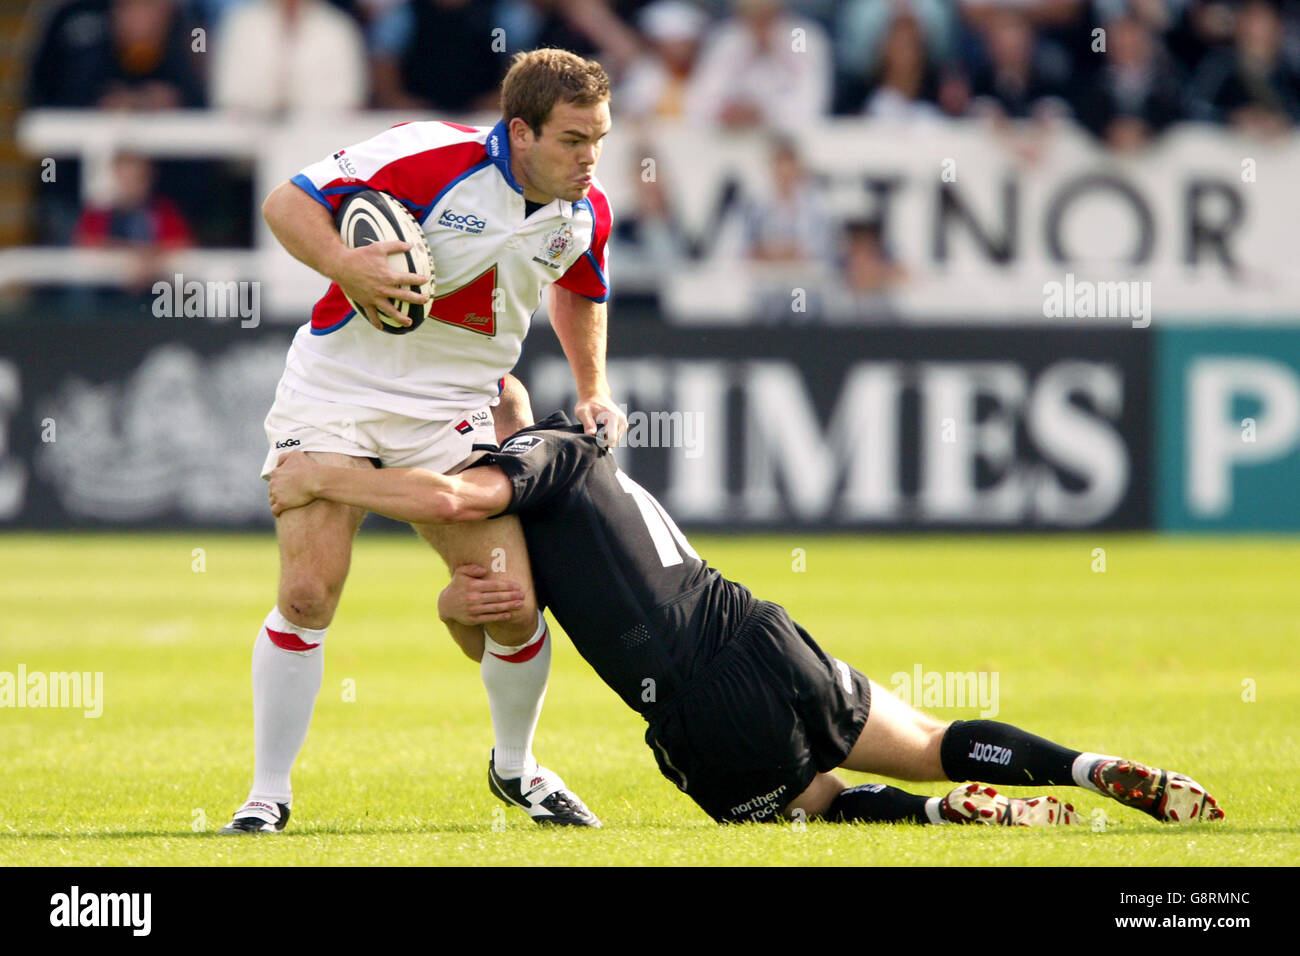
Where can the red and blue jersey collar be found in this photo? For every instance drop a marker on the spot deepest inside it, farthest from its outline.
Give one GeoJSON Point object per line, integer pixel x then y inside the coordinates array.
{"type": "Point", "coordinates": [498, 150]}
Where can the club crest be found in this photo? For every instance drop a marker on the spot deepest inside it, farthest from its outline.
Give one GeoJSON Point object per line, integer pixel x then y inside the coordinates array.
{"type": "Point", "coordinates": [555, 246]}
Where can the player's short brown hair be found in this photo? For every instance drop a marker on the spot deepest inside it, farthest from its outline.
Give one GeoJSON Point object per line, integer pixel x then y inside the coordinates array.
{"type": "Point", "coordinates": [538, 79]}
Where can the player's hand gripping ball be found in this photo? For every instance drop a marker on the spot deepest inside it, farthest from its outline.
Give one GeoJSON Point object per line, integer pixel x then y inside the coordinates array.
{"type": "Point", "coordinates": [371, 216]}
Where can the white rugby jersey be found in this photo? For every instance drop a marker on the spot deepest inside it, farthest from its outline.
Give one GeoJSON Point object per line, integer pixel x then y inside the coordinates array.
{"type": "Point", "coordinates": [456, 182]}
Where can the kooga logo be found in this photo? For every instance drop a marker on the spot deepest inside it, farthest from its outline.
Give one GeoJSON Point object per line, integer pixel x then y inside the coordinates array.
{"type": "Point", "coordinates": [464, 222]}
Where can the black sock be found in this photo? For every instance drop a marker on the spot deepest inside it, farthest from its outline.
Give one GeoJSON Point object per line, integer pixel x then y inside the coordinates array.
{"type": "Point", "coordinates": [993, 752]}
{"type": "Point", "coordinates": [877, 803]}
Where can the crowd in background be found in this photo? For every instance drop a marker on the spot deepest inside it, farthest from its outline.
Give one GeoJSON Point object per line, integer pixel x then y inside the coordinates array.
{"type": "Point", "coordinates": [1123, 69]}
{"type": "Point", "coordinates": [732, 62]}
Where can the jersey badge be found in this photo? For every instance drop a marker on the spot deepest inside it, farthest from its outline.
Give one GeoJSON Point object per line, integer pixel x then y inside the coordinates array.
{"type": "Point", "coordinates": [555, 245]}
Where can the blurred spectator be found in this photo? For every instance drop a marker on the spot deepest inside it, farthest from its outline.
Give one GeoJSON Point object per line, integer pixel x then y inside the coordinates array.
{"type": "Point", "coordinates": [1016, 83]}
{"type": "Point", "coordinates": [119, 54]}
{"type": "Point", "coordinates": [1155, 15]}
{"type": "Point", "coordinates": [860, 37]}
{"type": "Point", "coordinates": [863, 292]}
{"type": "Point", "coordinates": [1249, 85]}
{"type": "Point", "coordinates": [823, 11]}
{"type": "Point", "coordinates": [135, 218]}
{"type": "Point", "coordinates": [587, 27]}
{"type": "Point", "coordinates": [762, 67]}
{"type": "Point", "coordinates": [790, 224]}
{"type": "Point", "coordinates": [1037, 13]}
{"type": "Point", "coordinates": [69, 34]}
{"type": "Point", "coordinates": [905, 80]}
{"type": "Point", "coordinates": [1199, 27]}
{"type": "Point", "coordinates": [649, 237]}
{"type": "Point", "coordinates": [279, 56]}
{"type": "Point", "coordinates": [1136, 93]}
{"type": "Point", "coordinates": [213, 13]}
{"type": "Point", "coordinates": [437, 55]}
{"type": "Point", "coordinates": [866, 267]}
{"type": "Point", "coordinates": [655, 83]}
{"type": "Point", "coordinates": [135, 214]}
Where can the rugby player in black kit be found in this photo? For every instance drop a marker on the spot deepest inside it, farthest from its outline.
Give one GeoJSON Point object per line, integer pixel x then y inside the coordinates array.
{"type": "Point", "coordinates": [745, 713]}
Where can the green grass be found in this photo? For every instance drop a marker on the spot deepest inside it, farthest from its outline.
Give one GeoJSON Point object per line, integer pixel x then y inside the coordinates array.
{"type": "Point", "coordinates": [1147, 659]}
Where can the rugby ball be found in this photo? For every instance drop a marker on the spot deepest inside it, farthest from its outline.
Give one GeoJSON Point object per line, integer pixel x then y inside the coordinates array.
{"type": "Point", "coordinates": [373, 216]}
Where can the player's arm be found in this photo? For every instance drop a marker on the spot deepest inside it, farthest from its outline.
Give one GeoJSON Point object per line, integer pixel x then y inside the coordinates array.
{"type": "Point", "coordinates": [580, 325]}
{"type": "Point", "coordinates": [404, 494]}
{"type": "Point", "coordinates": [306, 230]}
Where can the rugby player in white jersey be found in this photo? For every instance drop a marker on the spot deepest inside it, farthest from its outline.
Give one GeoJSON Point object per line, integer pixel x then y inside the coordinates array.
{"type": "Point", "coordinates": [509, 211]}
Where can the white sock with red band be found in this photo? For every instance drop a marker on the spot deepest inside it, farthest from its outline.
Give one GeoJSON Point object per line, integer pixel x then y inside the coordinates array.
{"type": "Point", "coordinates": [515, 678]}
{"type": "Point", "coordinates": [288, 665]}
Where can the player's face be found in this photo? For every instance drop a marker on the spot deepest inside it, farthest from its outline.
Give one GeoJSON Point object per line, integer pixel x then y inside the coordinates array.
{"type": "Point", "coordinates": [562, 160]}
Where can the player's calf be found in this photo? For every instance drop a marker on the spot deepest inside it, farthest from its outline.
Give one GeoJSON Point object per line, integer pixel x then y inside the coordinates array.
{"type": "Point", "coordinates": [897, 740]}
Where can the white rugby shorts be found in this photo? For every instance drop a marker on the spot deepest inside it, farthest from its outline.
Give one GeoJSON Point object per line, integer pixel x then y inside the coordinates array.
{"type": "Point", "coordinates": [299, 423]}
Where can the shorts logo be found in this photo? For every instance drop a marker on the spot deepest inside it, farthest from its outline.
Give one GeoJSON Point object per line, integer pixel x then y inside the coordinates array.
{"type": "Point", "coordinates": [845, 678]}
{"type": "Point", "coordinates": [462, 222]}
{"type": "Point", "coordinates": [345, 164]}
{"type": "Point", "coordinates": [517, 446]}
{"type": "Point", "coordinates": [287, 443]}
{"type": "Point", "coordinates": [760, 807]}
{"type": "Point", "coordinates": [464, 428]}
{"type": "Point", "coordinates": [481, 419]}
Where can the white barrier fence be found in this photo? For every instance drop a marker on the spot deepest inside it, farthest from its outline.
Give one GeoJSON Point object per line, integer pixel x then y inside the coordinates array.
{"type": "Point", "coordinates": [985, 226]}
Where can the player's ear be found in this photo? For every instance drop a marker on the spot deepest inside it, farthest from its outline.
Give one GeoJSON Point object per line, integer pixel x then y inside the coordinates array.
{"type": "Point", "coordinates": [520, 132]}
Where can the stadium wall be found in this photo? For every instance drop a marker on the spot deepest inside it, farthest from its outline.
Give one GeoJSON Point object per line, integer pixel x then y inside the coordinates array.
{"type": "Point", "coordinates": [145, 424]}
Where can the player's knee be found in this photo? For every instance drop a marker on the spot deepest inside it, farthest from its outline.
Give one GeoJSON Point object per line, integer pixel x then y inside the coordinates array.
{"type": "Point", "coordinates": [816, 800]}
{"type": "Point", "coordinates": [935, 731]}
{"type": "Point", "coordinates": [308, 601]}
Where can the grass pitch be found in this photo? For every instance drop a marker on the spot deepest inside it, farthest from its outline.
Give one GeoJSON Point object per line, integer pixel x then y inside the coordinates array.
{"type": "Point", "coordinates": [1184, 653]}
